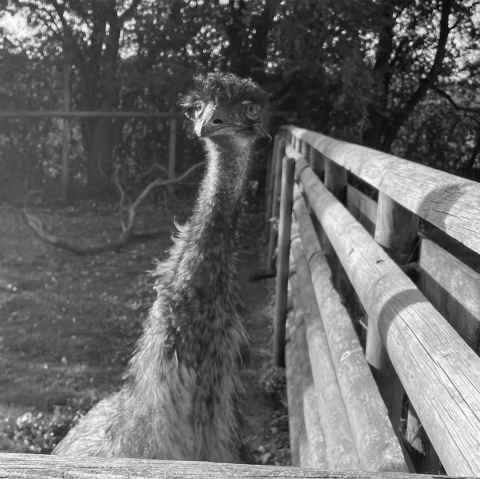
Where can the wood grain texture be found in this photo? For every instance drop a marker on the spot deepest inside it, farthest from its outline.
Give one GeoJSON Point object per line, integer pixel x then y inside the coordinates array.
{"type": "Point", "coordinates": [341, 453]}
{"type": "Point", "coordinates": [284, 226]}
{"type": "Point", "coordinates": [453, 288]}
{"type": "Point", "coordinates": [376, 443]}
{"type": "Point", "coordinates": [305, 430]}
{"type": "Point", "coordinates": [277, 177]}
{"type": "Point", "coordinates": [447, 201]}
{"type": "Point", "coordinates": [396, 231]}
{"type": "Point", "coordinates": [269, 181]}
{"type": "Point", "coordinates": [438, 370]}
{"type": "Point", "coordinates": [299, 377]}
{"type": "Point", "coordinates": [313, 428]}
{"type": "Point", "coordinates": [39, 466]}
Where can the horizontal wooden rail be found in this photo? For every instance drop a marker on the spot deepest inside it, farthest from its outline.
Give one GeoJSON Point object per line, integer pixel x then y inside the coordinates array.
{"type": "Point", "coordinates": [38, 466]}
{"type": "Point", "coordinates": [438, 370]}
{"type": "Point", "coordinates": [340, 449]}
{"type": "Point", "coordinates": [307, 442]}
{"type": "Point", "coordinates": [86, 114]}
{"type": "Point", "coordinates": [453, 288]}
{"type": "Point", "coordinates": [449, 202]}
{"type": "Point", "coordinates": [378, 447]}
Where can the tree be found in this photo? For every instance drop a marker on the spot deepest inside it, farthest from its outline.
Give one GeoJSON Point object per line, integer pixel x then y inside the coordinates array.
{"type": "Point", "coordinates": [361, 70]}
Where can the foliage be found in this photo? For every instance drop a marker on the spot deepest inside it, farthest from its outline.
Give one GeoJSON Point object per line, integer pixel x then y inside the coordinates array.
{"type": "Point", "coordinates": [365, 71]}
{"type": "Point", "coordinates": [38, 432]}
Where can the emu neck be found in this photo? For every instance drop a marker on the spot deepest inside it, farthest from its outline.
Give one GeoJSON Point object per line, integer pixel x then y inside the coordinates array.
{"type": "Point", "coordinates": [219, 200]}
{"type": "Point", "coordinates": [197, 291]}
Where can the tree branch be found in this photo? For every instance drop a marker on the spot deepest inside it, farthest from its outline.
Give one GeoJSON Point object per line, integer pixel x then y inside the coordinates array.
{"type": "Point", "coordinates": [128, 234]}
{"type": "Point", "coordinates": [425, 84]}
{"type": "Point", "coordinates": [447, 96]}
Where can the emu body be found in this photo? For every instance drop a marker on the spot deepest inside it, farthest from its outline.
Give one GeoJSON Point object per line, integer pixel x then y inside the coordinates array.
{"type": "Point", "coordinates": [180, 393]}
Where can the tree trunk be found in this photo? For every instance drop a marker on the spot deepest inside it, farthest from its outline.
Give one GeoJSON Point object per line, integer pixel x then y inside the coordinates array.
{"type": "Point", "coordinates": [100, 156]}
{"type": "Point", "coordinates": [372, 136]}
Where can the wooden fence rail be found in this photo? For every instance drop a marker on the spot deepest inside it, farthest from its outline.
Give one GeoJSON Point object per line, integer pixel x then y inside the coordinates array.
{"type": "Point", "coordinates": [38, 466]}
{"type": "Point", "coordinates": [434, 356]}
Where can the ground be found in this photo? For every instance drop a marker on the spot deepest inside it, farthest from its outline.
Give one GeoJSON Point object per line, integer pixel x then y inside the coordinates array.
{"type": "Point", "coordinates": [68, 325]}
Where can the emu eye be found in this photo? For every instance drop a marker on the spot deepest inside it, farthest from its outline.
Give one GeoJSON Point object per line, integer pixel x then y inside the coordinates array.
{"type": "Point", "coordinates": [194, 110]}
{"type": "Point", "coordinates": [252, 110]}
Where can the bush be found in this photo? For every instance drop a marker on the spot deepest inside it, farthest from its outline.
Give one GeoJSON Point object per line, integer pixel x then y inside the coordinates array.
{"type": "Point", "coordinates": [37, 432]}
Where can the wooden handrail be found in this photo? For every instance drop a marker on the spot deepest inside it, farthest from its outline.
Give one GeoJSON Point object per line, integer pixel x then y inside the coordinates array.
{"type": "Point", "coordinates": [449, 202]}
{"type": "Point", "coordinates": [39, 466]}
{"type": "Point", "coordinates": [444, 388]}
{"type": "Point", "coordinates": [376, 443]}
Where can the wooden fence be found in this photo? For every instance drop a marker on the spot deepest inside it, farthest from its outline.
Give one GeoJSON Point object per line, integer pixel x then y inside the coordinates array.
{"type": "Point", "coordinates": [37, 466]}
{"type": "Point", "coordinates": [382, 259]}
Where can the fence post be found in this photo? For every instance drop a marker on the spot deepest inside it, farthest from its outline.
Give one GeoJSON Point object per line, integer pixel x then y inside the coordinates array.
{"type": "Point", "coordinates": [66, 132]}
{"type": "Point", "coordinates": [172, 149]}
{"type": "Point", "coordinates": [396, 231]}
{"type": "Point", "coordinates": [336, 179]}
{"type": "Point", "coordinates": [281, 286]}
{"type": "Point", "coordinates": [269, 181]}
{"type": "Point", "coordinates": [276, 175]}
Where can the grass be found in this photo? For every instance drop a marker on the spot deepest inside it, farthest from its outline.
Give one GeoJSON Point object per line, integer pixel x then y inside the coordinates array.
{"type": "Point", "coordinates": [68, 325]}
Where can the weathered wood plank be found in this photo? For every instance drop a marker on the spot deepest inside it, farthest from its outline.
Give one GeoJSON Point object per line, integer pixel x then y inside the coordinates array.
{"type": "Point", "coordinates": [286, 199]}
{"type": "Point", "coordinates": [362, 207]}
{"type": "Point", "coordinates": [376, 443]}
{"type": "Point", "coordinates": [307, 443]}
{"type": "Point", "coordinates": [39, 466]}
{"type": "Point", "coordinates": [277, 177]}
{"type": "Point", "coordinates": [269, 182]}
{"type": "Point", "coordinates": [438, 370]}
{"type": "Point", "coordinates": [341, 453]}
{"type": "Point", "coordinates": [447, 201]}
{"type": "Point", "coordinates": [453, 288]}
{"type": "Point", "coordinates": [396, 231]}
{"type": "Point", "coordinates": [298, 376]}
{"type": "Point", "coordinates": [313, 428]}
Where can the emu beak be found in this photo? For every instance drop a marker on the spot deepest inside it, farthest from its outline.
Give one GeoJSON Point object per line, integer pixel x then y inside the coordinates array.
{"type": "Point", "coordinates": [262, 132]}
{"type": "Point", "coordinates": [202, 128]}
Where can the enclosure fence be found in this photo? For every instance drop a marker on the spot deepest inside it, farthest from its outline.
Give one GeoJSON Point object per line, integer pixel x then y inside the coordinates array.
{"type": "Point", "coordinates": [386, 248]}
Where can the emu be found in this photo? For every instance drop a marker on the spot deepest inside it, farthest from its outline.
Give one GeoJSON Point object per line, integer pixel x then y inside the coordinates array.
{"type": "Point", "coordinates": [180, 392]}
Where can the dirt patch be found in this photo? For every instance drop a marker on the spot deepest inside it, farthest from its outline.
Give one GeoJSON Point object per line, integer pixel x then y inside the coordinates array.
{"type": "Point", "coordinates": [68, 325]}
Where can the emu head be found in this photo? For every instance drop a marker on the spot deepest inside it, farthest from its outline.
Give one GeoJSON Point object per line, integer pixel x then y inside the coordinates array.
{"type": "Point", "coordinates": [225, 108]}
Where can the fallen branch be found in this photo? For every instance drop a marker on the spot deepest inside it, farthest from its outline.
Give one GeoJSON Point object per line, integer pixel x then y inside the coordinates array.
{"type": "Point", "coordinates": [128, 234]}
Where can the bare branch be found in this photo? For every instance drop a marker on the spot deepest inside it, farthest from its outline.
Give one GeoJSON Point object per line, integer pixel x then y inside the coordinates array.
{"type": "Point", "coordinates": [155, 166]}
{"type": "Point", "coordinates": [128, 234]}
{"type": "Point", "coordinates": [457, 106]}
{"type": "Point", "coordinates": [426, 83]}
